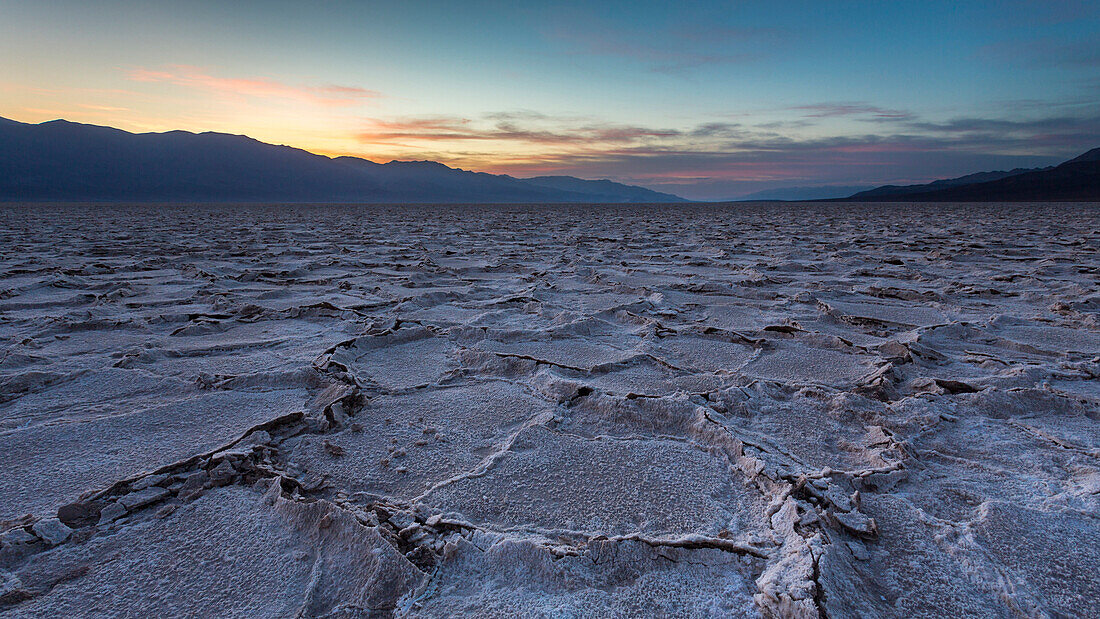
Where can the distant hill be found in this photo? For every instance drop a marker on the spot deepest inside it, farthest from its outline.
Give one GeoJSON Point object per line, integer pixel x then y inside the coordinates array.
{"type": "Point", "coordinates": [793, 194]}
{"type": "Point", "coordinates": [66, 161]}
{"type": "Point", "coordinates": [607, 191]}
{"type": "Point", "coordinates": [1075, 180]}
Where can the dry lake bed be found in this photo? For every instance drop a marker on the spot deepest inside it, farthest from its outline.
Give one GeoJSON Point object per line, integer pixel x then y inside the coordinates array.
{"type": "Point", "coordinates": [709, 410]}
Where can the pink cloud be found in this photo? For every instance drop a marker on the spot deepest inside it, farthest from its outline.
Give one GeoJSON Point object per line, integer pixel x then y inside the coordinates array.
{"type": "Point", "coordinates": [103, 108]}
{"type": "Point", "coordinates": [259, 87]}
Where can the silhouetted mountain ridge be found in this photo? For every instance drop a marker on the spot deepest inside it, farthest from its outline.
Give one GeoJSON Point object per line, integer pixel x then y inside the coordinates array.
{"type": "Point", "coordinates": [1076, 180]}
{"type": "Point", "coordinates": [66, 161]}
{"type": "Point", "coordinates": [1092, 155]}
{"type": "Point", "coordinates": [978, 177]}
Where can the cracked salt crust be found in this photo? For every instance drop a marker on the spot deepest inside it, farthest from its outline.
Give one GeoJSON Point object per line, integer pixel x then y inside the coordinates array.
{"type": "Point", "coordinates": [804, 410]}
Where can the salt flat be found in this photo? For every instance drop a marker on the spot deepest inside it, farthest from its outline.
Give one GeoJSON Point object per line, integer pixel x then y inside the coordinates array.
{"type": "Point", "coordinates": [739, 410]}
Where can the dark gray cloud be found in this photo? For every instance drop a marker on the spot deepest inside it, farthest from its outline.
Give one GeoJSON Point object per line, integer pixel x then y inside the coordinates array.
{"type": "Point", "coordinates": [1041, 135]}
{"type": "Point", "coordinates": [719, 159]}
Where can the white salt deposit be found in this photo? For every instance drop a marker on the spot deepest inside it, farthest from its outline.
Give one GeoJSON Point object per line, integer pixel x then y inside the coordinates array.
{"type": "Point", "coordinates": [781, 410]}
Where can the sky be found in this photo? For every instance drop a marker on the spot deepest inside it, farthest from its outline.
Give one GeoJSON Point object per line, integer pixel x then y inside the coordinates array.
{"type": "Point", "coordinates": [708, 100]}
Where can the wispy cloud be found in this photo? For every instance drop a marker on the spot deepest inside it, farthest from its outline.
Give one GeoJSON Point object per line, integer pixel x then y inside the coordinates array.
{"type": "Point", "coordinates": [508, 127]}
{"type": "Point", "coordinates": [103, 108]}
{"type": "Point", "coordinates": [1084, 124]}
{"type": "Point", "coordinates": [259, 87]}
{"type": "Point", "coordinates": [830, 110]}
{"type": "Point", "coordinates": [725, 159]}
{"type": "Point", "coordinates": [722, 174]}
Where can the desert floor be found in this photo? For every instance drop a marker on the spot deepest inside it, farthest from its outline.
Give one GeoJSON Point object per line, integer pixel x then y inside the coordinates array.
{"type": "Point", "coordinates": [739, 410]}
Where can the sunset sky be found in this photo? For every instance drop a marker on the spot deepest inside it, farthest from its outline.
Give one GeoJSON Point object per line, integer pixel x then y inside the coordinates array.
{"type": "Point", "coordinates": [708, 100]}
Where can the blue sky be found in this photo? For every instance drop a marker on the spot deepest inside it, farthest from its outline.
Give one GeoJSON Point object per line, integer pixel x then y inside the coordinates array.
{"type": "Point", "coordinates": [709, 100]}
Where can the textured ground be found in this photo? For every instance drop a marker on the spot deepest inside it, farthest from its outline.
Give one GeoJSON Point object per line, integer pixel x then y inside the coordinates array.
{"type": "Point", "coordinates": [804, 410]}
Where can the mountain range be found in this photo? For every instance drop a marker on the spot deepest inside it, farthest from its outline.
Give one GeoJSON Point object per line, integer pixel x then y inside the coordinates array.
{"type": "Point", "coordinates": [66, 161]}
{"type": "Point", "coordinates": [1075, 180]}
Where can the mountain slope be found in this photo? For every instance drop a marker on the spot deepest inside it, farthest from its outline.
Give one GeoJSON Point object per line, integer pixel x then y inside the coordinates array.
{"type": "Point", "coordinates": [794, 194]}
{"type": "Point", "coordinates": [1075, 180]}
{"type": "Point", "coordinates": [902, 190]}
{"type": "Point", "coordinates": [66, 161]}
{"type": "Point", "coordinates": [608, 191]}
